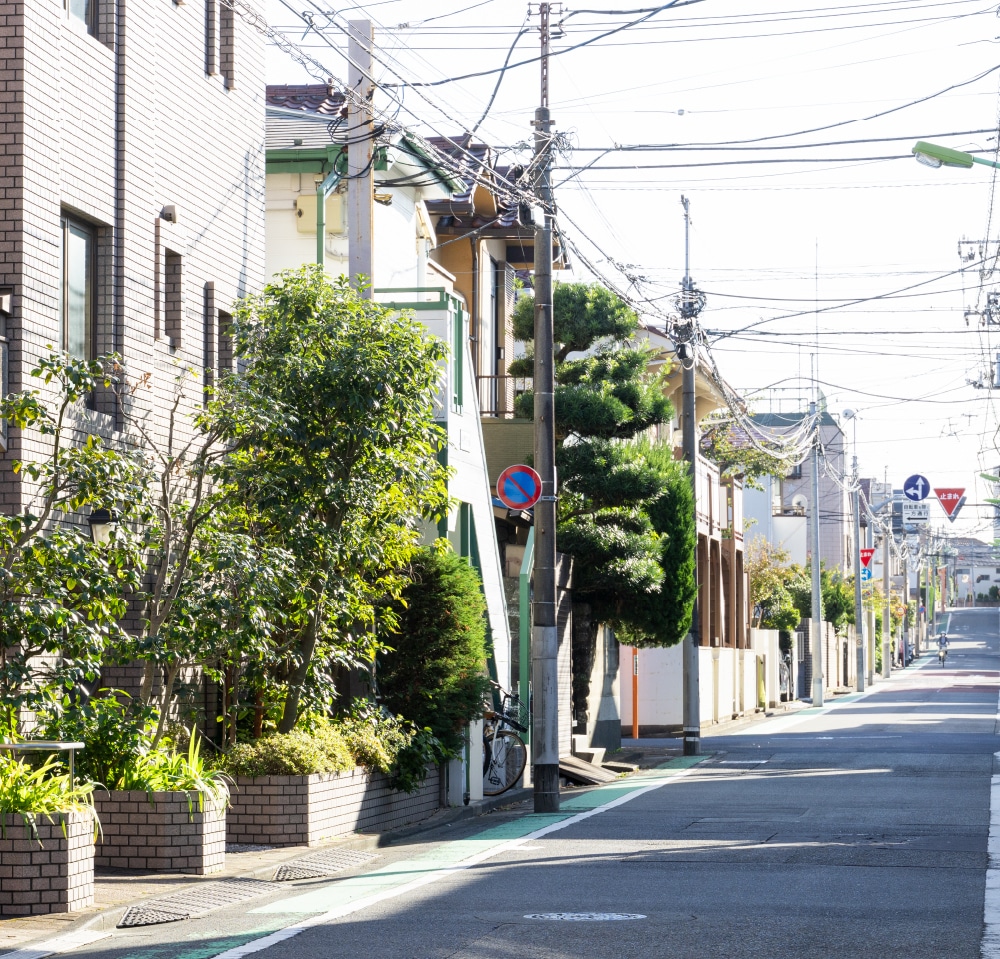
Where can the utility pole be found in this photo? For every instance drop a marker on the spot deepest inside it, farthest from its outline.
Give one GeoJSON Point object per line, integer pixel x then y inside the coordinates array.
{"type": "Point", "coordinates": [906, 610]}
{"type": "Point", "coordinates": [817, 587]}
{"type": "Point", "coordinates": [859, 621]}
{"type": "Point", "coordinates": [690, 304]}
{"type": "Point", "coordinates": [886, 616]}
{"type": "Point", "coordinates": [544, 621]}
{"type": "Point", "coordinates": [360, 154]}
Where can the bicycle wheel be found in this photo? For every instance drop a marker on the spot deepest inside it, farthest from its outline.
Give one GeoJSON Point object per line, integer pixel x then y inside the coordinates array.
{"type": "Point", "coordinates": [505, 757]}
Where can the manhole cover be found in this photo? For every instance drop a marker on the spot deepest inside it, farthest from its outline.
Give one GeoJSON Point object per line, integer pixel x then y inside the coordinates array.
{"type": "Point", "coordinates": [194, 902]}
{"type": "Point", "coordinates": [585, 916]}
{"type": "Point", "coordinates": [321, 864]}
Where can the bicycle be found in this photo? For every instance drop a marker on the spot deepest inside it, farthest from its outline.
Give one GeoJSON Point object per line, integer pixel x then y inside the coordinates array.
{"type": "Point", "coordinates": [504, 752]}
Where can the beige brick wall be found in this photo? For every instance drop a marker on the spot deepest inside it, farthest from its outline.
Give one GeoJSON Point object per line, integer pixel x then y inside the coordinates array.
{"type": "Point", "coordinates": [305, 810]}
{"type": "Point", "coordinates": [165, 832]}
{"type": "Point", "coordinates": [55, 875]}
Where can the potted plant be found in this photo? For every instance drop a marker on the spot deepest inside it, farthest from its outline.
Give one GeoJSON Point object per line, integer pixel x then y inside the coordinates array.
{"type": "Point", "coordinates": [48, 826]}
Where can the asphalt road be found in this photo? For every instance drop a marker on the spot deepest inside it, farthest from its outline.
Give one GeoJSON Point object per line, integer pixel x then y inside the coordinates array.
{"type": "Point", "coordinates": [855, 830]}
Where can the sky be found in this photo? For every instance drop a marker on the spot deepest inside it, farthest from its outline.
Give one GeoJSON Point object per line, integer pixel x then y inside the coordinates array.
{"type": "Point", "coordinates": [826, 253]}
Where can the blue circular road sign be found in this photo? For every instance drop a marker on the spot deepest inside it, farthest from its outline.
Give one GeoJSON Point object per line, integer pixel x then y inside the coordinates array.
{"type": "Point", "coordinates": [916, 488]}
{"type": "Point", "coordinates": [866, 574]}
{"type": "Point", "coordinates": [519, 487]}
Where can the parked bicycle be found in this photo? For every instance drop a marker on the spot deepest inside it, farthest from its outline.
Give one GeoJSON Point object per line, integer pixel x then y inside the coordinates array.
{"type": "Point", "coordinates": [504, 752]}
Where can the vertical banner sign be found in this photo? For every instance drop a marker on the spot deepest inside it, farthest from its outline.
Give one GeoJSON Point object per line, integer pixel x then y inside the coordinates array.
{"type": "Point", "coordinates": [866, 556]}
{"type": "Point", "coordinates": [951, 501]}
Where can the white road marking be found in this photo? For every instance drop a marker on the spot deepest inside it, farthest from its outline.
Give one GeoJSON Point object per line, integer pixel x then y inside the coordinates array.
{"type": "Point", "coordinates": [340, 911]}
{"type": "Point", "coordinates": [72, 940]}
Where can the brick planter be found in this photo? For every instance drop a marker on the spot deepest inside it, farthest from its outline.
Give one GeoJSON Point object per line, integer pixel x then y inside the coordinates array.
{"type": "Point", "coordinates": [163, 835]}
{"type": "Point", "coordinates": [304, 810]}
{"type": "Point", "coordinates": [57, 876]}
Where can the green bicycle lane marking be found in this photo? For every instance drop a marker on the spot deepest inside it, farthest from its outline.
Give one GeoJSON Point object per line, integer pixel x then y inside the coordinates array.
{"type": "Point", "coordinates": [458, 853]}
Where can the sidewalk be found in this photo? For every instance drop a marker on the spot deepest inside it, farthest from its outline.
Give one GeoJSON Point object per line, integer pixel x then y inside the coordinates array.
{"type": "Point", "coordinates": [116, 890]}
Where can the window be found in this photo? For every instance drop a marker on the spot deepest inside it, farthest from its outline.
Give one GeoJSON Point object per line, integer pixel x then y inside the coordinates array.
{"type": "Point", "coordinates": [83, 10]}
{"type": "Point", "coordinates": [76, 313]}
{"type": "Point", "coordinates": [795, 472]}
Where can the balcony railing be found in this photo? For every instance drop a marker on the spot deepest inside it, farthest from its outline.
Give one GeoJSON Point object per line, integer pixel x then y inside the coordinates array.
{"type": "Point", "coordinates": [497, 394]}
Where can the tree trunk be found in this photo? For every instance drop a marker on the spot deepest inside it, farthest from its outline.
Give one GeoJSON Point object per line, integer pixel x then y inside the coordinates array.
{"type": "Point", "coordinates": [584, 651]}
{"type": "Point", "coordinates": [307, 646]}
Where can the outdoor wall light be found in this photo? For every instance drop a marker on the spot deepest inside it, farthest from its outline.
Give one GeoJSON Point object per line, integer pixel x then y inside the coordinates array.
{"type": "Point", "coordinates": [102, 524]}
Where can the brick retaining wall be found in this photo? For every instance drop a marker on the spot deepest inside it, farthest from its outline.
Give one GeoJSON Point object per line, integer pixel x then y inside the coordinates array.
{"type": "Point", "coordinates": [166, 834]}
{"type": "Point", "coordinates": [304, 810]}
{"type": "Point", "coordinates": [56, 876]}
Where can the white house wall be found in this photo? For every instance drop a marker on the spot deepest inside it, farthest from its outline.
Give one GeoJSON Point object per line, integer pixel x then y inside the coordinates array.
{"type": "Point", "coordinates": [397, 249]}
{"type": "Point", "coordinates": [470, 484]}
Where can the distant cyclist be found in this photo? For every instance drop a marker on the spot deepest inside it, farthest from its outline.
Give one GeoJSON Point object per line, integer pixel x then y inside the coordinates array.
{"type": "Point", "coordinates": [942, 647]}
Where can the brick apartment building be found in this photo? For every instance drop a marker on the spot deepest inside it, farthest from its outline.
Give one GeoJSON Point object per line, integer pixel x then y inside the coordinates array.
{"type": "Point", "coordinates": [133, 189]}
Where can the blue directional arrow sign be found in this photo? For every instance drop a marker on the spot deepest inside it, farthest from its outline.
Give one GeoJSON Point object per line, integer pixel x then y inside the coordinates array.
{"type": "Point", "coordinates": [866, 574]}
{"type": "Point", "coordinates": [916, 488]}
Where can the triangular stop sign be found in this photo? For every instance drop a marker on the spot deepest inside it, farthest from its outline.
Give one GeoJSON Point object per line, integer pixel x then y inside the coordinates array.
{"type": "Point", "coordinates": [951, 501]}
{"type": "Point", "coordinates": [866, 556]}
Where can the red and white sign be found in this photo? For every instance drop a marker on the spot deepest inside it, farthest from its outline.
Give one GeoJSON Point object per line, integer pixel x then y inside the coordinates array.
{"type": "Point", "coordinates": [866, 556]}
{"type": "Point", "coordinates": [951, 501]}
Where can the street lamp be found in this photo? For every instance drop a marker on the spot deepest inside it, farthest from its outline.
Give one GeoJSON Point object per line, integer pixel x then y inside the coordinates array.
{"type": "Point", "coordinates": [930, 154]}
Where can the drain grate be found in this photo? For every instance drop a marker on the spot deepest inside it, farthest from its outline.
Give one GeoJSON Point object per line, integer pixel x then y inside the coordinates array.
{"type": "Point", "coordinates": [321, 864]}
{"type": "Point", "coordinates": [194, 902]}
{"type": "Point", "coordinates": [585, 916]}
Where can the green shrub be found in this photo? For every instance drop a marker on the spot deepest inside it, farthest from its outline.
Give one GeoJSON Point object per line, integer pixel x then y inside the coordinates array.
{"type": "Point", "coordinates": [297, 753]}
{"type": "Point", "coordinates": [116, 731]}
{"type": "Point", "coordinates": [41, 791]}
{"type": "Point", "coordinates": [118, 749]}
{"type": "Point", "coordinates": [434, 672]}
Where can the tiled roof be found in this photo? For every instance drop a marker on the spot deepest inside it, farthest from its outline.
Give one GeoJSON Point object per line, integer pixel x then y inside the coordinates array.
{"type": "Point", "coordinates": [307, 98]}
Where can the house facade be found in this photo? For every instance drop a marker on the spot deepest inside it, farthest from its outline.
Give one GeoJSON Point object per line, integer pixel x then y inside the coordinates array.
{"type": "Point", "coordinates": [133, 194]}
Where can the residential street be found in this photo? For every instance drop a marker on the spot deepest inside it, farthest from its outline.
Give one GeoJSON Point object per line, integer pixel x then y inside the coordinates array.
{"type": "Point", "coordinates": [859, 829]}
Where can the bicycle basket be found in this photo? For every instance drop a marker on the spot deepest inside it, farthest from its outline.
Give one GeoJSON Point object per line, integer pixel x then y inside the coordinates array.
{"type": "Point", "coordinates": [516, 713]}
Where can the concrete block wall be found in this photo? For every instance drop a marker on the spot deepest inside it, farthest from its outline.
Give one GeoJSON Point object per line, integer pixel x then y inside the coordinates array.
{"type": "Point", "coordinates": [164, 832]}
{"type": "Point", "coordinates": [51, 873]}
{"type": "Point", "coordinates": [305, 810]}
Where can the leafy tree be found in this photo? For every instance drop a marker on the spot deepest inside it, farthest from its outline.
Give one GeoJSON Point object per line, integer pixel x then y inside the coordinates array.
{"type": "Point", "coordinates": [626, 511]}
{"type": "Point", "coordinates": [726, 445]}
{"type": "Point", "coordinates": [334, 457]}
{"type": "Point", "coordinates": [62, 598]}
{"type": "Point", "coordinates": [837, 595]}
{"type": "Point", "coordinates": [433, 667]}
{"type": "Point", "coordinates": [769, 574]}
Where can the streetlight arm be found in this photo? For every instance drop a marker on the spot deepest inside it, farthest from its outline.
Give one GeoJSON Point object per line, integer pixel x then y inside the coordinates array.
{"type": "Point", "coordinates": [932, 155]}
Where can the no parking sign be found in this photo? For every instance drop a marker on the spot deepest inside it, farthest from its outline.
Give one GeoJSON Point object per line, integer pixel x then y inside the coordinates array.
{"type": "Point", "coordinates": [519, 487]}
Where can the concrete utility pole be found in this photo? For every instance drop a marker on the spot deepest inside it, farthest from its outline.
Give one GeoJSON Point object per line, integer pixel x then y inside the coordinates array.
{"type": "Point", "coordinates": [886, 617]}
{"type": "Point", "coordinates": [816, 627]}
{"type": "Point", "coordinates": [544, 628]}
{"type": "Point", "coordinates": [859, 621]}
{"type": "Point", "coordinates": [906, 610]}
{"type": "Point", "coordinates": [360, 153]}
{"type": "Point", "coordinates": [690, 305]}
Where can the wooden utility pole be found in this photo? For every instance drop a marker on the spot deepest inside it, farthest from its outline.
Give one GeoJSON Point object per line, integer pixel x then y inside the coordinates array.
{"type": "Point", "coordinates": [544, 612]}
{"type": "Point", "coordinates": [360, 154]}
